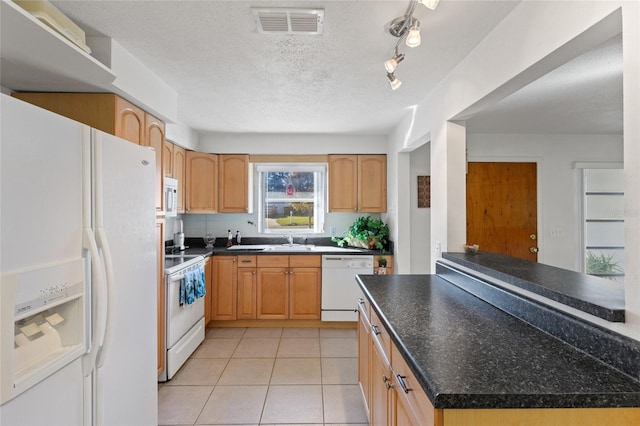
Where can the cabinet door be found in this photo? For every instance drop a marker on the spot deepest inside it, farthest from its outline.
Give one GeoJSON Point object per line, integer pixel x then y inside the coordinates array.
{"type": "Point", "coordinates": [161, 293]}
{"type": "Point", "coordinates": [201, 183]}
{"type": "Point", "coordinates": [273, 293]}
{"type": "Point", "coordinates": [225, 288]}
{"type": "Point", "coordinates": [154, 138]}
{"type": "Point", "coordinates": [129, 122]}
{"type": "Point", "coordinates": [304, 293]}
{"type": "Point", "coordinates": [179, 171]}
{"type": "Point", "coordinates": [372, 183]}
{"type": "Point", "coordinates": [402, 415]}
{"type": "Point", "coordinates": [234, 183]}
{"type": "Point", "coordinates": [364, 360]}
{"type": "Point", "coordinates": [380, 383]}
{"type": "Point", "coordinates": [410, 399]}
{"type": "Point", "coordinates": [343, 183]}
{"type": "Point", "coordinates": [167, 157]}
{"type": "Point", "coordinates": [208, 280]}
{"type": "Point", "coordinates": [247, 279]}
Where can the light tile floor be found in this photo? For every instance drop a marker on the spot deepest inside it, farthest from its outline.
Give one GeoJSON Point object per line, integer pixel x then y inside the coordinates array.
{"type": "Point", "coordinates": [267, 376]}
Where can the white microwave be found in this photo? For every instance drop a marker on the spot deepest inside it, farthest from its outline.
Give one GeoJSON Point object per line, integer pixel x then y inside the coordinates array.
{"type": "Point", "coordinates": [170, 197]}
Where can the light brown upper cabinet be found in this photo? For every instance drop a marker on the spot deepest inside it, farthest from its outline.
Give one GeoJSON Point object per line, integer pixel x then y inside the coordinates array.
{"type": "Point", "coordinates": [201, 183]}
{"type": "Point", "coordinates": [111, 114]}
{"type": "Point", "coordinates": [154, 138]}
{"type": "Point", "coordinates": [168, 158]}
{"type": "Point", "coordinates": [179, 173]}
{"type": "Point", "coordinates": [358, 183]}
{"type": "Point", "coordinates": [129, 120]}
{"type": "Point", "coordinates": [233, 195]}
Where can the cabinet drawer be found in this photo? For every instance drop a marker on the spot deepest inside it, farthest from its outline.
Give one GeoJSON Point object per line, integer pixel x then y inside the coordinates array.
{"type": "Point", "coordinates": [247, 261]}
{"type": "Point", "coordinates": [268, 261]}
{"type": "Point", "coordinates": [380, 335]}
{"type": "Point", "coordinates": [410, 391]}
{"type": "Point", "coordinates": [363, 308]}
{"type": "Point", "coordinates": [305, 261]}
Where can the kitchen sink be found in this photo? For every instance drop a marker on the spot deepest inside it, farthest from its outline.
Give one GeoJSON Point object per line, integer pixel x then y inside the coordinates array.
{"type": "Point", "coordinates": [290, 247]}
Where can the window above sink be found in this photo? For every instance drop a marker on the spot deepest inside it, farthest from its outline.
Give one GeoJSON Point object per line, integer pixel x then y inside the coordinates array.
{"type": "Point", "coordinates": [291, 197]}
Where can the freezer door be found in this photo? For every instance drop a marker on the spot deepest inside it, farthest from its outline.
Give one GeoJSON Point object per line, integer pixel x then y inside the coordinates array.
{"type": "Point", "coordinates": [124, 199]}
{"type": "Point", "coordinates": [43, 314]}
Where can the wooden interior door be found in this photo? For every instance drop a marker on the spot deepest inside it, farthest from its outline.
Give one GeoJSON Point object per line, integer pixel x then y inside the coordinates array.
{"type": "Point", "coordinates": [502, 208]}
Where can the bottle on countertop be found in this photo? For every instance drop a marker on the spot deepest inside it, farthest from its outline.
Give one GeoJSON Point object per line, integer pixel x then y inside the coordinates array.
{"type": "Point", "coordinates": [230, 239]}
{"type": "Point", "coordinates": [238, 237]}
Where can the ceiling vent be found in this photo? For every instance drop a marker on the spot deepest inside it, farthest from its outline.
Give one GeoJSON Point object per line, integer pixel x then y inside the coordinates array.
{"type": "Point", "coordinates": [289, 21]}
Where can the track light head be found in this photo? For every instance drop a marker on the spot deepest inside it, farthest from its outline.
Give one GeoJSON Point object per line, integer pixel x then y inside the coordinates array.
{"type": "Point", "coordinates": [431, 4]}
{"type": "Point", "coordinates": [393, 81]}
{"type": "Point", "coordinates": [413, 38]}
{"type": "Point", "coordinates": [392, 63]}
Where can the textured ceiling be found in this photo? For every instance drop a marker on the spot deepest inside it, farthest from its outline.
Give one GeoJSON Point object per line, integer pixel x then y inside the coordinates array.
{"type": "Point", "coordinates": [582, 96]}
{"type": "Point", "coordinates": [231, 78]}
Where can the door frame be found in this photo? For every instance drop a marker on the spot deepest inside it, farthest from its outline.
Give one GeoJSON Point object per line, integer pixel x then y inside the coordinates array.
{"type": "Point", "coordinates": [540, 243]}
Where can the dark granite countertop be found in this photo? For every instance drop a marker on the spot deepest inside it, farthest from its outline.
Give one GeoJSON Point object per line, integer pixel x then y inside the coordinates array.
{"type": "Point", "coordinates": [593, 295]}
{"type": "Point", "coordinates": [196, 246]}
{"type": "Point", "coordinates": [468, 354]}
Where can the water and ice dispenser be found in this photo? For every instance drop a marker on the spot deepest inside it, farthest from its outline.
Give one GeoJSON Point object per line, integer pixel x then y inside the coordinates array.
{"type": "Point", "coordinates": [42, 324]}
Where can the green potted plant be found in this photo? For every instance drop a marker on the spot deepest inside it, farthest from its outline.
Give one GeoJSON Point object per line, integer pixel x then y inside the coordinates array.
{"type": "Point", "coordinates": [602, 265]}
{"type": "Point", "coordinates": [365, 232]}
{"type": "Point", "coordinates": [382, 262]}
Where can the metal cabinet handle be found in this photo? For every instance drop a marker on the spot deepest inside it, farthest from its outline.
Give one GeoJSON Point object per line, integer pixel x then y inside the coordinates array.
{"type": "Point", "coordinates": [375, 330]}
{"type": "Point", "coordinates": [403, 385]}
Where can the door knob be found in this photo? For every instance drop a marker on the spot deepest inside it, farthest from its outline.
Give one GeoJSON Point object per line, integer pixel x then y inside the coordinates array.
{"type": "Point", "coordinates": [533, 249]}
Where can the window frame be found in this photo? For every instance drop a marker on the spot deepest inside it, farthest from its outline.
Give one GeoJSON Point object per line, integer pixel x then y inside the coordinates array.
{"type": "Point", "coordinates": [320, 195]}
{"type": "Point", "coordinates": [614, 218]}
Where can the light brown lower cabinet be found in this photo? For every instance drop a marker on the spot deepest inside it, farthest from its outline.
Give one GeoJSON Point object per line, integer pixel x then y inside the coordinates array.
{"type": "Point", "coordinates": [225, 287]}
{"type": "Point", "coordinates": [395, 397]}
{"type": "Point", "coordinates": [304, 287]}
{"type": "Point", "coordinates": [273, 292]}
{"type": "Point", "coordinates": [364, 354]}
{"type": "Point", "coordinates": [273, 287]}
{"type": "Point", "coordinates": [288, 287]}
{"type": "Point", "coordinates": [247, 281]}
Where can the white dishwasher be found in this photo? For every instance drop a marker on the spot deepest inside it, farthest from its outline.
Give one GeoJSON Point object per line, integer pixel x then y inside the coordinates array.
{"type": "Point", "coordinates": [340, 291]}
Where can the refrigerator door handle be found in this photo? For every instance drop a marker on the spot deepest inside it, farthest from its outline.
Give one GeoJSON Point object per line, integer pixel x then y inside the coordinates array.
{"type": "Point", "coordinates": [101, 305]}
{"type": "Point", "coordinates": [109, 282]}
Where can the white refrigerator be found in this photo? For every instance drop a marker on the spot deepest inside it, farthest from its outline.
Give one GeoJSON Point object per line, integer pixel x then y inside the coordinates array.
{"type": "Point", "coordinates": [77, 273]}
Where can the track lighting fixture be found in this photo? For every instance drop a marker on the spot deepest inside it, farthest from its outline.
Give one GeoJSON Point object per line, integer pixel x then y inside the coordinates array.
{"type": "Point", "coordinates": [405, 27]}
{"type": "Point", "coordinates": [393, 81]}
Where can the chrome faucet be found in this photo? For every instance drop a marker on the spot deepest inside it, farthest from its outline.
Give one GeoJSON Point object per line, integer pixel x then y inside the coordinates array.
{"type": "Point", "coordinates": [289, 239]}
